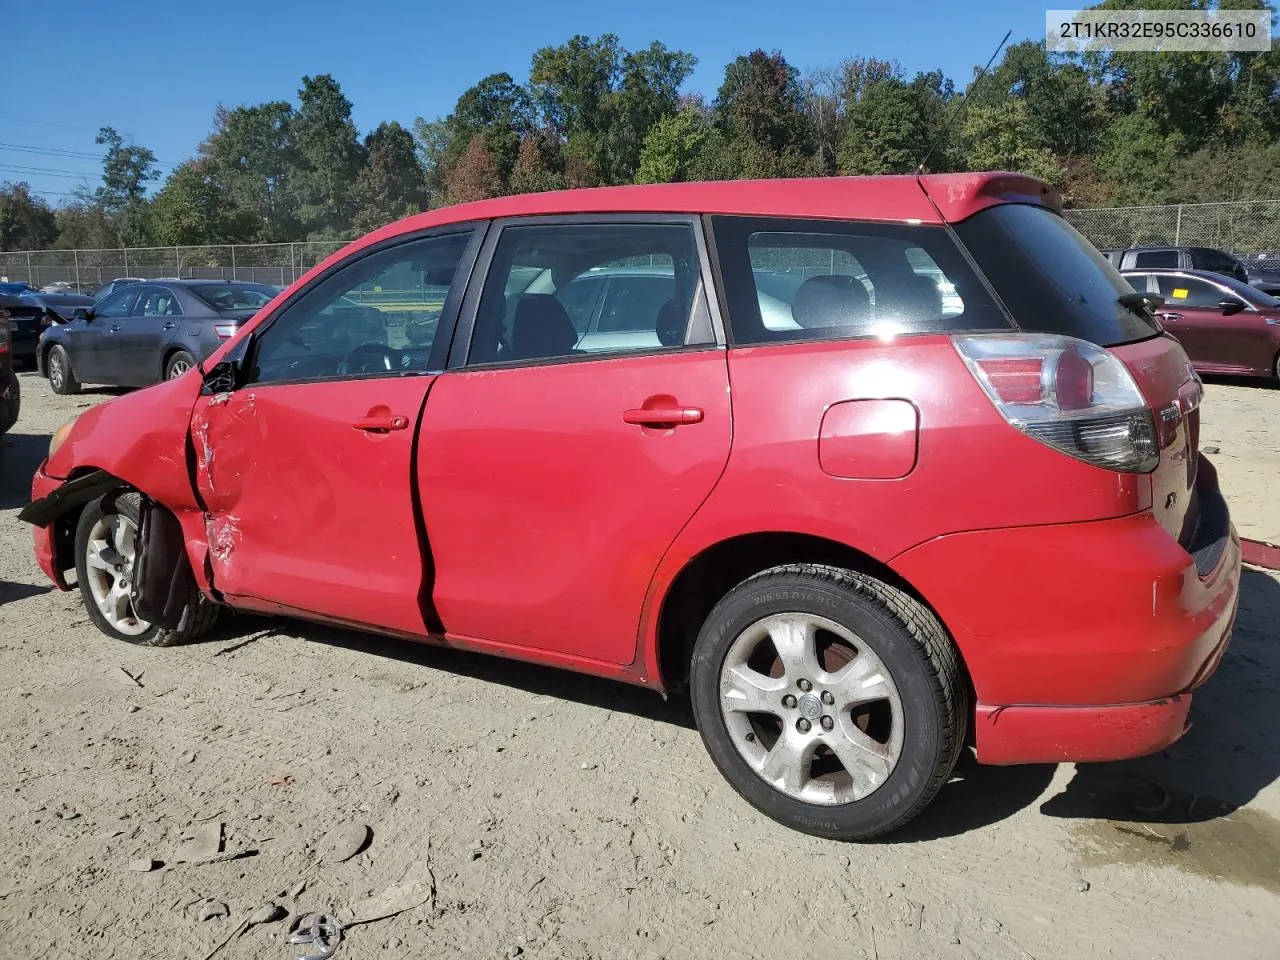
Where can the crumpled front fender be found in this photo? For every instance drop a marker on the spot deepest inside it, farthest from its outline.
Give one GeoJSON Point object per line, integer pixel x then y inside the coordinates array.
{"type": "Point", "coordinates": [141, 438]}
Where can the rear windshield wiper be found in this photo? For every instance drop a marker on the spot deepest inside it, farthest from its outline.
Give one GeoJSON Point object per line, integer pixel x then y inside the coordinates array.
{"type": "Point", "coordinates": [1142, 303]}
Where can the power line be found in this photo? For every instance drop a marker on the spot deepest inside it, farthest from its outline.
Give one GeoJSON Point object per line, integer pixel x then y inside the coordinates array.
{"type": "Point", "coordinates": [59, 152]}
{"type": "Point", "coordinates": [46, 172]}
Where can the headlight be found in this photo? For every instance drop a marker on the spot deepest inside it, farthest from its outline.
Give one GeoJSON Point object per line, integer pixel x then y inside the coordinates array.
{"type": "Point", "coordinates": [60, 435]}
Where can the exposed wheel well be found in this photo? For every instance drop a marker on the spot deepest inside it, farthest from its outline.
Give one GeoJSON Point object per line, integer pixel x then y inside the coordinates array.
{"type": "Point", "coordinates": [718, 569]}
{"type": "Point", "coordinates": [64, 527]}
{"type": "Point", "coordinates": [168, 355]}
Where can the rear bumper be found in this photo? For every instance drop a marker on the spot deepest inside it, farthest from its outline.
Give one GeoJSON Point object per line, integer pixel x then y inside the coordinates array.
{"type": "Point", "coordinates": [45, 545]}
{"type": "Point", "coordinates": [1083, 641]}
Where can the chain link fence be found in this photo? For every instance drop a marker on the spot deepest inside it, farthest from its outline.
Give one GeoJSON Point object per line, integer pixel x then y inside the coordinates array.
{"type": "Point", "coordinates": [85, 270]}
{"type": "Point", "coordinates": [1250, 229]}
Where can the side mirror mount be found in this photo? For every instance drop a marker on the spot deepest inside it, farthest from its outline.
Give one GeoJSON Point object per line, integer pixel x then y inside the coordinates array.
{"type": "Point", "coordinates": [228, 373]}
{"type": "Point", "coordinates": [1230, 305]}
{"type": "Point", "coordinates": [81, 313]}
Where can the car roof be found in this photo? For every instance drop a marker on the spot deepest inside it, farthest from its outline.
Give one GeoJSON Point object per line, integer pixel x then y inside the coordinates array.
{"type": "Point", "coordinates": [1181, 271]}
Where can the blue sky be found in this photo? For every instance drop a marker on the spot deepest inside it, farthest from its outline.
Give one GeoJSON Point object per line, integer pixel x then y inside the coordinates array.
{"type": "Point", "coordinates": [156, 70]}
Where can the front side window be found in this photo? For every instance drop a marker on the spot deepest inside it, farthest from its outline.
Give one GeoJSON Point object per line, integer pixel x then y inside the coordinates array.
{"type": "Point", "coordinates": [1189, 292]}
{"type": "Point", "coordinates": [117, 305]}
{"type": "Point", "coordinates": [806, 280]}
{"type": "Point", "coordinates": [574, 290]}
{"type": "Point", "coordinates": [375, 316]}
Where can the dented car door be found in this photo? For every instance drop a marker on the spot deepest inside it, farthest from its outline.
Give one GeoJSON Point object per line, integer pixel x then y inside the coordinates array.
{"type": "Point", "coordinates": [306, 467]}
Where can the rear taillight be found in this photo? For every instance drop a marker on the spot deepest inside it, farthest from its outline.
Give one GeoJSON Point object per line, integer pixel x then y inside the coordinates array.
{"type": "Point", "coordinates": [225, 331]}
{"type": "Point", "coordinates": [1069, 394]}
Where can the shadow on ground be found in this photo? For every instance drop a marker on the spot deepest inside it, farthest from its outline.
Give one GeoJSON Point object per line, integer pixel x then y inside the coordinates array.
{"type": "Point", "coordinates": [1261, 383]}
{"type": "Point", "coordinates": [12, 592]}
{"type": "Point", "coordinates": [20, 454]}
{"type": "Point", "coordinates": [1228, 757]}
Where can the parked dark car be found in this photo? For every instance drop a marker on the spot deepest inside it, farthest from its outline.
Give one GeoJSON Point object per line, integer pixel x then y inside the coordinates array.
{"type": "Point", "coordinates": [111, 286]}
{"type": "Point", "coordinates": [9, 391]}
{"type": "Point", "coordinates": [1225, 326]}
{"type": "Point", "coordinates": [1174, 258]}
{"type": "Point", "coordinates": [30, 313]}
{"type": "Point", "coordinates": [146, 332]}
{"type": "Point", "coordinates": [1264, 271]}
{"type": "Point", "coordinates": [15, 287]}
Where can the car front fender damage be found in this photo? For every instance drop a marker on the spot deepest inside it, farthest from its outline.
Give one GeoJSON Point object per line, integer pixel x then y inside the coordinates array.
{"type": "Point", "coordinates": [163, 580]}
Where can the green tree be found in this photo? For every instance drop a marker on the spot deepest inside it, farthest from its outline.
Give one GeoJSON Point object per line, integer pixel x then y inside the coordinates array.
{"type": "Point", "coordinates": [998, 137]}
{"type": "Point", "coordinates": [193, 208]}
{"type": "Point", "coordinates": [253, 151]}
{"type": "Point", "coordinates": [390, 184]}
{"type": "Point", "coordinates": [602, 100]}
{"type": "Point", "coordinates": [26, 222]}
{"type": "Point", "coordinates": [84, 225]}
{"type": "Point", "coordinates": [891, 124]}
{"type": "Point", "coordinates": [126, 171]}
{"type": "Point", "coordinates": [328, 158]}
{"type": "Point", "coordinates": [762, 99]}
{"type": "Point", "coordinates": [672, 147]}
{"type": "Point", "coordinates": [1141, 161]}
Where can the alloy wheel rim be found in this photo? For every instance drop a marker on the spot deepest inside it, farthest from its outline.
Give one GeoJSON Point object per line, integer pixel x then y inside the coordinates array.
{"type": "Point", "coordinates": [812, 709]}
{"type": "Point", "coordinates": [55, 369]}
{"type": "Point", "coordinates": [178, 368]}
{"type": "Point", "coordinates": [110, 555]}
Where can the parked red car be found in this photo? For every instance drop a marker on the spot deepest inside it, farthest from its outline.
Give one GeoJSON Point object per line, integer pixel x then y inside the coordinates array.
{"type": "Point", "coordinates": [728, 436]}
{"type": "Point", "coordinates": [1224, 325]}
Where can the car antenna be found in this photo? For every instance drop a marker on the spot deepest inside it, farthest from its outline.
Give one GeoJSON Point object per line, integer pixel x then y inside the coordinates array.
{"type": "Point", "coordinates": [964, 98]}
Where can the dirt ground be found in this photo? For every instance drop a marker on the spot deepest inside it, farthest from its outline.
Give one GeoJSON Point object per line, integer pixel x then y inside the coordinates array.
{"type": "Point", "coordinates": [558, 816]}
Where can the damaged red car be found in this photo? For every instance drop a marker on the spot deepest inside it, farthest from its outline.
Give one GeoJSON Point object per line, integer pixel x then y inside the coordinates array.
{"type": "Point", "coordinates": [874, 468]}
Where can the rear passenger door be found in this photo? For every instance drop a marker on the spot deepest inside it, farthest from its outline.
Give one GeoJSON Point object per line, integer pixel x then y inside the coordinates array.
{"type": "Point", "coordinates": [155, 313]}
{"type": "Point", "coordinates": [556, 469]}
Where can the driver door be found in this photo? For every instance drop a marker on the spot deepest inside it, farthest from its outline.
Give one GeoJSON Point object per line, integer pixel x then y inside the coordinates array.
{"type": "Point", "coordinates": [94, 343]}
{"type": "Point", "coordinates": [306, 467]}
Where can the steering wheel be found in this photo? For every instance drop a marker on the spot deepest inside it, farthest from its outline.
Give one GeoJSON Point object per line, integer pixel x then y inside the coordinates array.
{"type": "Point", "coordinates": [369, 358]}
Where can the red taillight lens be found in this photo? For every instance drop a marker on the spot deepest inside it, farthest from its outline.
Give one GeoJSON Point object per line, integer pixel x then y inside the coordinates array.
{"type": "Point", "coordinates": [1015, 379]}
{"type": "Point", "coordinates": [225, 331]}
{"type": "Point", "coordinates": [1073, 381]}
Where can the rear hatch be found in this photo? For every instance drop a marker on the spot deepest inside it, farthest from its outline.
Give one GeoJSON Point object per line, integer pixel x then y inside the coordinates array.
{"type": "Point", "coordinates": [1053, 281]}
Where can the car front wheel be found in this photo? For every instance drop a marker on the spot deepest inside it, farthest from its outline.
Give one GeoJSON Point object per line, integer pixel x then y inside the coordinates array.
{"type": "Point", "coordinates": [107, 548]}
{"type": "Point", "coordinates": [831, 701]}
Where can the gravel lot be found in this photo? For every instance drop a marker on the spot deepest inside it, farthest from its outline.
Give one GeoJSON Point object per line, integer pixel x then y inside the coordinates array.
{"type": "Point", "coordinates": [560, 816]}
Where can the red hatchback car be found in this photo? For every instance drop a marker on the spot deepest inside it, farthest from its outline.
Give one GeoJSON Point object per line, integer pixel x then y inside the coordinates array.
{"type": "Point", "coordinates": [875, 467]}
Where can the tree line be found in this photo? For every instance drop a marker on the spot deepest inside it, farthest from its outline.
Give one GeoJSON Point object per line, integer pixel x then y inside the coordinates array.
{"type": "Point", "coordinates": [1107, 129]}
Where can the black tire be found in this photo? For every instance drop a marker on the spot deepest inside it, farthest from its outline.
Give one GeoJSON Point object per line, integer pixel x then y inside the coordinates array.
{"type": "Point", "coordinates": [57, 366]}
{"type": "Point", "coordinates": [912, 645]}
{"type": "Point", "coordinates": [179, 362]}
{"type": "Point", "coordinates": [198, 617]}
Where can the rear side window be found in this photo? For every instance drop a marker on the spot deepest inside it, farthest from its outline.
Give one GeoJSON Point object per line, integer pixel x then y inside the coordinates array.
{"type": "Point", "coordinates": [1051, 278]}
{"type": "Point", "coordinates": [822, 280]}
{"type": "Point", "coordinates": [1156, 258]}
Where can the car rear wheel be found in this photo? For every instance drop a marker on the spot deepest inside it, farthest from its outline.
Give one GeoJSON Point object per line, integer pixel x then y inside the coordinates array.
{"type": "Point", "coordinates": [831, 701]}
{"type": "Point", "coordinates": [106, 555]}
{"type": "Point", "coordinates": [61, 377]}
{"type": "Point", "coordinates": [178, 364]}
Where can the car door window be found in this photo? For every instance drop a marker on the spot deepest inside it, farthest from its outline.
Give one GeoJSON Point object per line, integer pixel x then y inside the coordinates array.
{"type": "Point", "coordinates": [117, 305]}
{"type": "Point", "coordinates": [156, 302]}
{"type": "Point", "coordinates": [651, 275]}
{"type": "Point", "coordinates": [375, 316]}
{"type": "Point", "coordinates": [1156, 258]}
{"type": "Point", "coordinates": [1139, 281]}
{"type": "Point", "coordinates": [1189, 292]}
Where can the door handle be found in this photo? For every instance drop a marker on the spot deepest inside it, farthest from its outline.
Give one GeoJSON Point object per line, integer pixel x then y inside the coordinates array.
{"type": "Point", "coordinates": [1169, 316]}
{"type": "Point", "coordinates": [169, 325]}
{"type": "Point", "coordinates": [114, 328]}
{"type": "Point", "coordinates": [384, 424]}
{"type": "Point", "coordinates": [662, 416]}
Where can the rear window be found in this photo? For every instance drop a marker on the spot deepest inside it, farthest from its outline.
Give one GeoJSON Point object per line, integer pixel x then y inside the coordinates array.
{"type": "Point", "coordinates": [234, 296]}
{"type": "Point", "coordinates": [789, 280]}
{"type": "Point", "coordinates": [1156, 258]}
{"type": "Point", "coordinates": [1051, 278]}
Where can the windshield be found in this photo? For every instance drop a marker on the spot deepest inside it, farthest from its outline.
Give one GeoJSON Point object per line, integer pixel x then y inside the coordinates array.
{"type": "Point", "coordinates": [1051, 278]}
{"type": "Point", "coordinates": [234, 296]}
